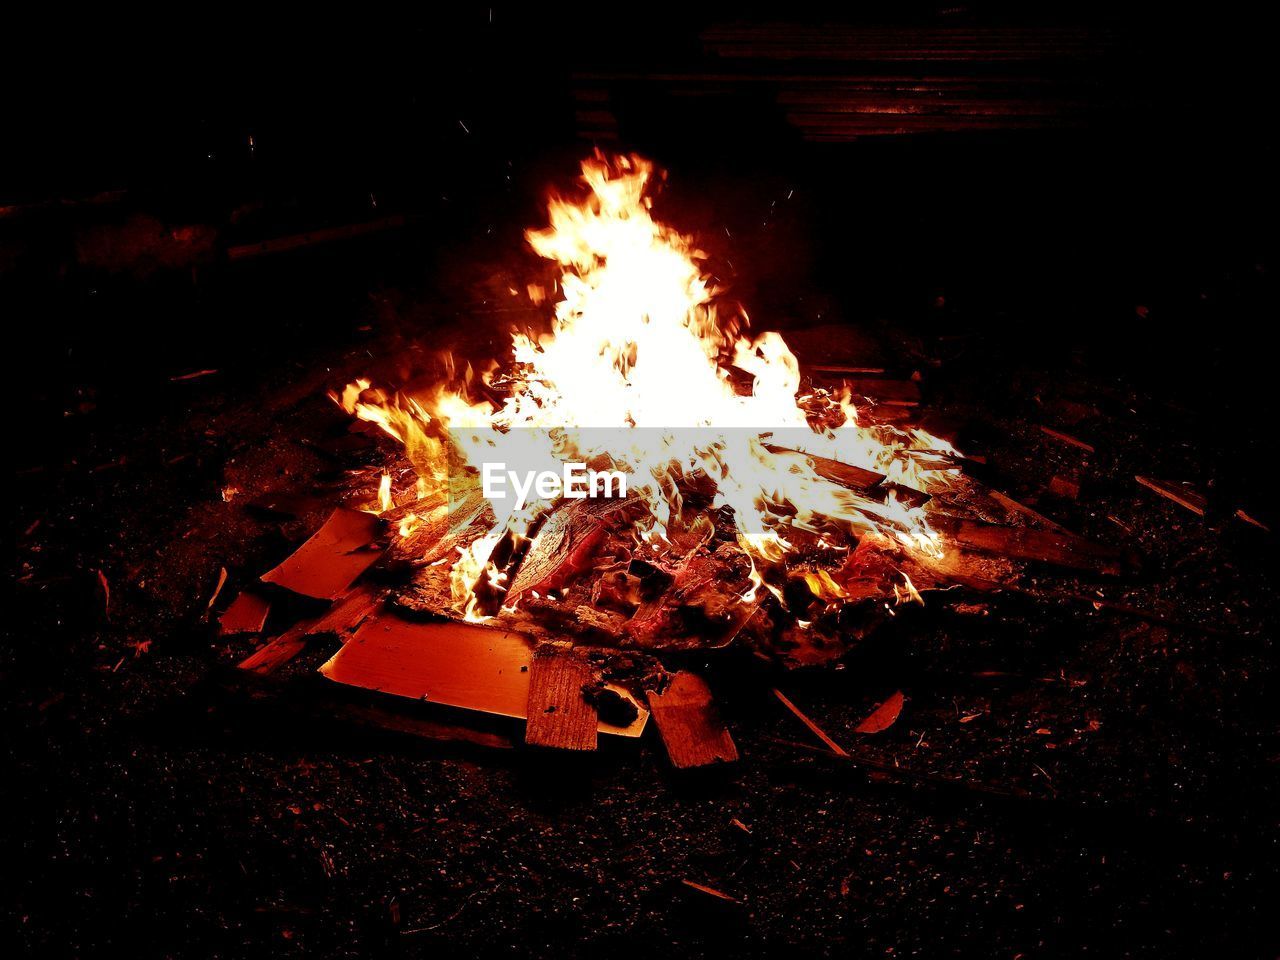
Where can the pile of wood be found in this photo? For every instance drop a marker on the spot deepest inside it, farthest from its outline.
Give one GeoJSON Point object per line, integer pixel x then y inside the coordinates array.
{"type": "Point", "coordinates": [585, 638]}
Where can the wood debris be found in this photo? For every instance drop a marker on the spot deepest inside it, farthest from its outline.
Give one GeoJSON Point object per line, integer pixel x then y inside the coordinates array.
{"type": "Point", "coordinates": [816, 730]}
{"type": "Point", "coordinates": [1180, 494]}
{"type": "Point", "coordinates": [454, 664]}
{"type": "Point", "coordinates": [1067, 439]}
{"type": "Point", "coordinates": [709, 891]}
{"type": "Point", "coordinates": [1026, 543]}
{"type": "Point", "coordinates": [690, 724]}
{"type": "Point", "coordinates": [246, 614]}
{"type": "Point", "coordinates": [330, 561]}
{"type": "Point", "coordinates": [883, 716]}
{"type": "Point", "coordinates": [559, 714]}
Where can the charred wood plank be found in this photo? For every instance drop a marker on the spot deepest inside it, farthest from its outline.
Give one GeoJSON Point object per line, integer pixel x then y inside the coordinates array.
{"type": "Point", "coordinates": [892, 393]}
{"type": "Point", "coordinates": [298, 241]}
{"type": "Point", "coordinates": [565, 545]}
{"type": "Point", "coordinates": [275, 653]}
{"type": "Point", "coordinates": [342, 618]}
{"type": "Point", "coordinates": [1036, 518]}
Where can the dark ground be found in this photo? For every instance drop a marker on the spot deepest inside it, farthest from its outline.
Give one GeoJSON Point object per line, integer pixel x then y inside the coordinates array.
{"type": "Point", "coordinates": [1116, 284]}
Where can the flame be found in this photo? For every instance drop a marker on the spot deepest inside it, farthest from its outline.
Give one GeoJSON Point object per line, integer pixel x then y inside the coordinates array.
{"type": "Point", "coordinates": [641, 339]}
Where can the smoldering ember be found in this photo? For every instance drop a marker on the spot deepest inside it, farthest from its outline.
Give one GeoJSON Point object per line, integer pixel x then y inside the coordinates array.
{"type": "Point", "coordinates": [704, 485]}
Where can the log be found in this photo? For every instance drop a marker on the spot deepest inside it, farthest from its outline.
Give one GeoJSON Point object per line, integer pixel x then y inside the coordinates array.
{"type": "Point", "coordinates": [559, 715]}
{"type": "Point", "coordinates": [689, 723]}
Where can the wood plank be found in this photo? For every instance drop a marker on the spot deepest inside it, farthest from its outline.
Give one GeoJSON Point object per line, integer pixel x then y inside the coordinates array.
{"type": "Point", "coordinates": [559, 715]}
{"type": "Point", "coordinates": [844, 368]}
{"type": "Point", "coordinates": [312, 238]}
{"type": "Point", "coordinates": [1180, 494]}
{"type": "Point", "coordinates": [330, 561]}
{"type": "Point", "coordinates": [1067, 438]}
{"type": "Point", "coordinates": [816, 730]}
{"type": "Point", "coordinates": [247, 614]}
{"type": "Point", "coordinates": [843, 474]}
{"type": "Point", "coordinates": [1028, 543]}
{"type": "Point", "coordinates": [1037, 518]}
{"type": "Point", "coordinates": [275, 653]}
{"type": "Point", "coordinates": [454, 664]}
{"type": "Point", "coordinates": [343, 618]}
{"type": "Point", "coordinates": [689, 723]}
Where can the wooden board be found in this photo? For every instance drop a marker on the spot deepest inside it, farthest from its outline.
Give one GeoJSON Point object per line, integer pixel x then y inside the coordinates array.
{"type": "Point", "coordinates": [1028, 543]}
{"type": "Point", "coordinates": [559, 715]}
{"type": "Point", "coordinates": [275, 653]}
{"type": "Point", "coordinates": [247, 614]}
{"type": "Point", "coordinates": [455, 664]}
{"type": "Point", "coordinates": [689, 723]}
{"type": "Point", "coordinates": [330, 561]}
{"type": "Point", "coordinates": [343, 618]}
{"type": "Point", "coordinates": [1179, 493]}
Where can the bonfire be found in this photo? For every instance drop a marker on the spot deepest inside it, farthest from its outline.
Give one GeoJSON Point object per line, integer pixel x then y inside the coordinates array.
{"type": "Point", "coordinates": [752, 496]}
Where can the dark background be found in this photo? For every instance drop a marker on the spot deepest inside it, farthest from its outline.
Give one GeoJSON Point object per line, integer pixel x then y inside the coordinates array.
{"type": "Point", "coordinates": [1093, 162]}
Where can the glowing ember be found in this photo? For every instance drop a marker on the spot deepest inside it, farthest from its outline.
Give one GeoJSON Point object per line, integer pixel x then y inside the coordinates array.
{"type": "Point", "coordinates": [640, 342]}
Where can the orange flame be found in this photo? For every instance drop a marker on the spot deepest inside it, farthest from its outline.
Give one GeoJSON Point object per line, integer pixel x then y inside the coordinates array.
{"type": "Point", "coordinates": [639, 340]}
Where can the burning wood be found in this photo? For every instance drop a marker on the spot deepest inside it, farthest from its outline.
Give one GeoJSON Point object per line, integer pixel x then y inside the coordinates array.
{"type": "Point", "coordinates": [749, 511]}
